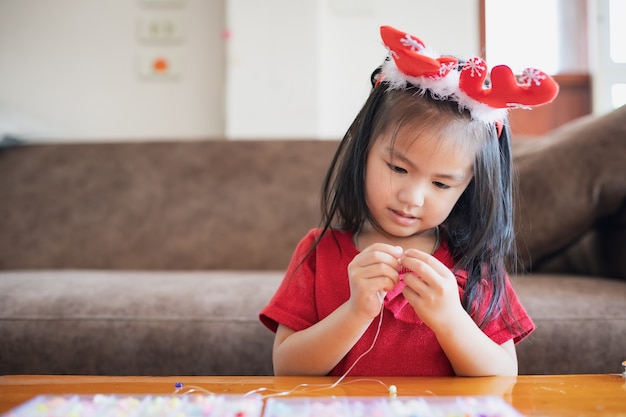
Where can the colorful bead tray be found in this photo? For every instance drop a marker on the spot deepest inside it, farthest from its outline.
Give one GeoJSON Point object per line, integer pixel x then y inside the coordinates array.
{"type": "Point", "coordinates": [200, 405]}
{"type": "Point", "coordinates": [140, 406]}
{"type": "Point", "coordinates": [463, 406]}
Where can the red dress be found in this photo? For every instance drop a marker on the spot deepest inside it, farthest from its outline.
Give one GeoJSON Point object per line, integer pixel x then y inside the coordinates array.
{"type": "Point", "coordinates": [405, 346]}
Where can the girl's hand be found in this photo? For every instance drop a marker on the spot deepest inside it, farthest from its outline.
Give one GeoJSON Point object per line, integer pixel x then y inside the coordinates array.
{"type": "Point", "coordinates": [372, 273]}
{"type": "Point", "coordinates": [432, 290]}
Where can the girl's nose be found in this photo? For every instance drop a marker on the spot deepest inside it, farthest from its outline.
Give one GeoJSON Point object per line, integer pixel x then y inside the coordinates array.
{"type": "Point", "coordinates": [413, 195]}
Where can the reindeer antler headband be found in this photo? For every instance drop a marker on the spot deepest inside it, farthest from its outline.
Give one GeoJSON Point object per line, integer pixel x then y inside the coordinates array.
{"type": "Point", "coordinates": [411, 62]}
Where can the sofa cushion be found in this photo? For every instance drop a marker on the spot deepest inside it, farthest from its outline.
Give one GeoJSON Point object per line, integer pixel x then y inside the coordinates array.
{"type": "Point", "coordinates": [135, 323]}
{"type": "Point", "coordinates": [569, 182]}
{"type": "Point", "coordinates": [581, 324]}
{"type": "Point", "coordinates": [206, 323]}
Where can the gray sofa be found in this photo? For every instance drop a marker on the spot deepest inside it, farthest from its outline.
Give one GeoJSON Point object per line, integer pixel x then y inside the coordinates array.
{"type": "Point", "coordinates": [155, 258]}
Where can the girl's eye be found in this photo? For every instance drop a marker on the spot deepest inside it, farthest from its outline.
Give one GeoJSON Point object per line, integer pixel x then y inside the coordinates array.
{"type": "Point", "coordinates": [397, 169]}
{"type": "Point", "coordinates": [441, 185]}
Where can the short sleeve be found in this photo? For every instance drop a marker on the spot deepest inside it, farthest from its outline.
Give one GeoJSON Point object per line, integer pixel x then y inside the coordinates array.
{"type": "Point", "coordinates": [513, 322]}
{"type": "Point", "coordinates": [293, 305]}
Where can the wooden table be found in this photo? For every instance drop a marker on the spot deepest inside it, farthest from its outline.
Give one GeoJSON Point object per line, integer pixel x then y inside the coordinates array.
{"type": "Point", "coordinates": [559, 395]}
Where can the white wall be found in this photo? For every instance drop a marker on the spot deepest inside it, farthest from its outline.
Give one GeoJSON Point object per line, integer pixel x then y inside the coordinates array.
{"type": "Point", "coordinates": [247, 68]}
{"type": "Point", "coordinates": [271, 68]}
{"type": "Point", "coordinates": [69, 71]}
{"type": "Point", "coordinates": [350, 40]}
{"type": "Point", "coordinates": [308, 72]}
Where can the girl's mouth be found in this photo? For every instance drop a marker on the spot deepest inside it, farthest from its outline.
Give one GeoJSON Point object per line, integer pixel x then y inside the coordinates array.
{"type": "Point", "coordinates": [403, 218]}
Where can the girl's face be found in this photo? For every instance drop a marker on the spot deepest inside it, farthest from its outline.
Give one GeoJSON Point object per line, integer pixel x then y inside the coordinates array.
{"type": "Point", "coordinates": [412, 184]}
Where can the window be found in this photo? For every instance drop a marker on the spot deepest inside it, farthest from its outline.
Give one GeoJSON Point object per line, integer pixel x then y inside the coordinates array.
{"type": "Point", "coordinates": [551, 35]}
{"type": "Point", "coordinates": [609, 55]}
{"type": "Point", "coordinates": [617, 30]}
{"type": "Point", "coordinates": [572, 37]}
{"type": "Point", "coordinates": [618, 95]}
{"type": "Point", "coordinates": [617, 40]}
{"type": "Point", "coordinates": [520, 36]}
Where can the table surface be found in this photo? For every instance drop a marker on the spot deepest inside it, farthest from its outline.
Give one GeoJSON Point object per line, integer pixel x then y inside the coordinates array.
{"type": "Point", "coordinates": [554, 395]}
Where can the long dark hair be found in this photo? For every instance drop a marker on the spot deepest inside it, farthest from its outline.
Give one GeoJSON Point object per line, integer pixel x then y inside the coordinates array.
{"type": "Point", "coordinates": [479, 229]}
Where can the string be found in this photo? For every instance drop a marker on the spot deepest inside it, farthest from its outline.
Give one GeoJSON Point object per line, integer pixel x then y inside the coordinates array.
{"type": "Point", "coordinates": [298, 388]}
{"type": "Point", "coordinates": [322, 387]}
{"type": "Point", "coordinates": [380, 323]}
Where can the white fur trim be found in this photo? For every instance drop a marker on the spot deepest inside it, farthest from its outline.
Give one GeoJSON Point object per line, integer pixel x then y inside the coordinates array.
{"type": "Point", "coordinates": [444, 88]}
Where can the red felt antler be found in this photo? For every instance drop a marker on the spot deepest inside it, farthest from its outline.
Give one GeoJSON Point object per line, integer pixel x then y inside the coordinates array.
{"type": "Point", "coordinates": [407, 52]}
{"type": "Point", "coordinates": [533, 89]}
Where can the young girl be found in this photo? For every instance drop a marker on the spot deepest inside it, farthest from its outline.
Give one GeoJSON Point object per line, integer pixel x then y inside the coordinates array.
{"type": "Point", "coordinates": [406, 276]}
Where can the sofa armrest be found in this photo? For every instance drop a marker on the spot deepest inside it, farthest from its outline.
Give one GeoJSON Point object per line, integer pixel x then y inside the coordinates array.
{"type": "Point", "coordinates": [570, 182]}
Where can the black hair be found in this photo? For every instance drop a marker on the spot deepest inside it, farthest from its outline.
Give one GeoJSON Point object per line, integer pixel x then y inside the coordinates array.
{"type": "Point", "coordinates": [479, 229]}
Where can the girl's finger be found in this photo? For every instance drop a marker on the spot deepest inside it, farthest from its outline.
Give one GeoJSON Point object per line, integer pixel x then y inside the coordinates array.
{"type": "Point", "coordinates": [414, 258]}
{"type": "Point", "coordinates": [394, 251]}
{"type": "Point", "coordinates": [380, 253]}
{"type": "Point", "coordinates": [387, 273]}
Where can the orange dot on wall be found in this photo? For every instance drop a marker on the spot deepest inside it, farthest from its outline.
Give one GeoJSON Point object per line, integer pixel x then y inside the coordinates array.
{"type": "Point", "coordinates": [160, 65]}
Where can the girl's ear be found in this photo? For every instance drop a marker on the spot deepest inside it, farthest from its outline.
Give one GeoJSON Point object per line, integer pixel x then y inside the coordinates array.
{"type": "Point", "coordinates": [499, 127]}
{"type": "Point", "coordinates": [375, 77]}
